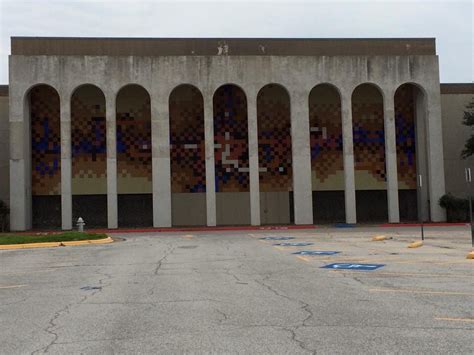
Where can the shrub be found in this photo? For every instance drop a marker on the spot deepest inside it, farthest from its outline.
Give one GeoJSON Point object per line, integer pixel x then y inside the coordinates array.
{"type": "Point", "coordinates": [457, 209]}
{"type": "Point", "coordinates": [4, 213]}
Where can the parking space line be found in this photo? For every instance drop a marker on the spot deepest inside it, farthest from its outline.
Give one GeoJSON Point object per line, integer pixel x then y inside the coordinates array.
{"type": "Point", "coordinates": [401, 274]}
{"type": "Point", "coordinates": [12, 286]}
{"type": "Point", "coordinates": [450, 293]}
{"type": "Point", "coordinates": [468, 320]}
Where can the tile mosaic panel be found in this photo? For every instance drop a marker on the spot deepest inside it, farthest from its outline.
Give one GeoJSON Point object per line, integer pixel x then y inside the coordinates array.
{"type": "Point", "coordinates": [88, 141]}
{"type": "Point", "coordinates": [188, 170]}
{"type": "Point", "coordinates": [45, 141]}
{"type": "Point", "coordinates": [326, 138]}
{"type": "Point", "coordinates": [369, 140]}
{"type": "Point", "coordinates": [274, 139]}
{"type": "Point", "coordinates": [134, 163]}
{"type": "Point", "coordinates": [405, 136]}
{"type": "Point", "coordinates": [231, 140]}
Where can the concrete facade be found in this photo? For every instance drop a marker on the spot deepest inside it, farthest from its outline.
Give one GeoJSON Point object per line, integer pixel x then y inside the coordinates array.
{"type": "Point", "coordinates": [4, 146]}
{"type": "Point", "coordinates": [159, 75]}
{"type": "Point", "coordinates": [454, 99]}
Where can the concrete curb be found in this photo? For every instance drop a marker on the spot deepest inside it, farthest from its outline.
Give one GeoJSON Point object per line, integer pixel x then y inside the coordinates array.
{"type": "Point", "coordinates": [55, 244]}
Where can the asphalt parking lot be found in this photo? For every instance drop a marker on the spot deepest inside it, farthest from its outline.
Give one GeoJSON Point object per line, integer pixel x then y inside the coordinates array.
{"type": "Point", "coordinates": [234, 292]}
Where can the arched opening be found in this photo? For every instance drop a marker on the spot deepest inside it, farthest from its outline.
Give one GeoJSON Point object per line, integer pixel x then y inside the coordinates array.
{"type": "Point", "coordinates": [44, 105]}
{"type": "Point", "coordinates": [134, 168]}
{"type": "Point", "coordinates": [369, 153]}
{"type": "Point", "coordinates": [231, 156]}
{"type": "Point", "coordinates": [411, 151]}
{"type": "Point", "coordinates": [89, 156]}
{"type": "Point", "coordinates": [327, 166]}
{"type": "Point", "coordinates": [188, 168]}
{"type": "Point", "coordinates": [274, 155]}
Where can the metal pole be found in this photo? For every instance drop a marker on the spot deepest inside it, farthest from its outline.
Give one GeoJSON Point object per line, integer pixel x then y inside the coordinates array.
{"type": "Point", "coordinates": [420, 186]}
{"type": "Point", "coordinates": [468, 181]}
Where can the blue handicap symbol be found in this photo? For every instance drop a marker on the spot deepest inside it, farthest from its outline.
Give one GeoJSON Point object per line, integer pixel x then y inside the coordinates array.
{"type": "Point", "coordinates": [277, 238]}
{"type": "Point", "coordinates": [316, 252]}
{"type": "Point", "coordinates": [350, 266]}
{"type": "Point", "coordinates": [294, 244]}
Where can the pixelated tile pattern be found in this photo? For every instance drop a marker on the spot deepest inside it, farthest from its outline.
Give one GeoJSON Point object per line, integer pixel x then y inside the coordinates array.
{"type": "Point", "coordinates": [405, 135]}
{"type": "Point", "coordinates": [231, 140]}
{"type": "Point", "coordinates": [188, 170]}
{"type": "Point", "coordinates": [133, 135]}
{"type": "Point", "coordinates": [88, 138]}
{"type": "Point", "coordinates": [368, 134]}
{"type": "Point", "coordinates": [45, 141]}
{"type": "Point", "coordinates": [274, 139]}
{"type": "Point", "coordinates": [326, 133]}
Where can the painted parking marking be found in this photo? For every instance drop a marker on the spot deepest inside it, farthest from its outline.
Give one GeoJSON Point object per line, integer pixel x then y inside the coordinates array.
{"type": "Point", "coordinates": [277, 238]}
{"type": "Point", "coordinates": [293, 244]}
{"type": "Point", "coordinates": [467, 320]}
{"type": "Point", "coordinates": [398, 274]}
{"type": "Point", "coordinates": [430, 292]}
{"type": "Point", "coordinates": [350, 266]}
{"type": "Point", "coordinates": [12, 286]}
{"type": "Point", "coordinates": [316, 252]}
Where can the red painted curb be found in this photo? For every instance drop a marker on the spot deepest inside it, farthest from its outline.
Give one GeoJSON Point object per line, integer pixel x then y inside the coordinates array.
{"type": "Point", "coordinates": [433, 224]}
{"type": "Point", "coordinates": [239, 228]}
{"type": "Point", "coordinates": [201, 229]}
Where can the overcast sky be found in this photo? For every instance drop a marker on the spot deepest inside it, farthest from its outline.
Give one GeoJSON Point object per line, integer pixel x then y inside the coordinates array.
{"type": "Point", "coordinates": [449, 21]}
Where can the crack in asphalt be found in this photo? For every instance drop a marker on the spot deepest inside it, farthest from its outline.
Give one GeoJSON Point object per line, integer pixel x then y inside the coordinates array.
{"type": "Point", "coordinates": [160, 262]}
{"type": "Point", "coordinates": [224, 315]}
{"type": "Point", "coordinates": [303, 305]}
{"type": "Point", "coordinates": [52, 323]}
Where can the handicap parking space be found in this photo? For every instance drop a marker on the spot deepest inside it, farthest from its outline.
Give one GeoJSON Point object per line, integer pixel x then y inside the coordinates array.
{"type": "Point", "coordinates": [388, 265]}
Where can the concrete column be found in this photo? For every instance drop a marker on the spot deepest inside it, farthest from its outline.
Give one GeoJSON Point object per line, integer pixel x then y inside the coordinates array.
{"type": "Point", "coordinates": [20, 161]}
{"type": "Point", "coordinates": [253, 158]}
{"type": "Point", "coordinates": [391, 158]}
{"type": "Point", "coordinates": [301, 158]}
{"type": "Point", "coordinates": [348, 158]}
{"type": "Point", "coordinates": [161, 168]}
{"type": "Point", "coordinates": [421, 156]}
{"type": "Point", "coordinates": [66, 167]}
{"type": "Point", "coordinates": [210, 167]}
{"type": "Point", "coordinates": [436, 181]}
{"type": "Point", "coordinates": [112, 208]}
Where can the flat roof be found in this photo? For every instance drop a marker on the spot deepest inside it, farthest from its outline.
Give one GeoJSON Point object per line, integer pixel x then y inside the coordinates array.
{"type": "Point", "coordinates": [457, 88]}
{"type": "Point", "coordinates": [446, 89]}
{"type": "Point", "coordinates": [221, 46]}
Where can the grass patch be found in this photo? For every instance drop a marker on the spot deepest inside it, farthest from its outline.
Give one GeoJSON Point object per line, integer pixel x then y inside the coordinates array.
{"type": "Point", "coordinates": [58, 237]}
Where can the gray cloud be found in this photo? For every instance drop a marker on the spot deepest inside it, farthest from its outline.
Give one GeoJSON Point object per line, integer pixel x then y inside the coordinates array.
{"type": "Point", "coordinates": [450, 22]}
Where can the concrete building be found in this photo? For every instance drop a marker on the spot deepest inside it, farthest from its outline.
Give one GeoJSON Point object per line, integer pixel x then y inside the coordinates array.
{"type": "Point", "coordinates": [175, 132]}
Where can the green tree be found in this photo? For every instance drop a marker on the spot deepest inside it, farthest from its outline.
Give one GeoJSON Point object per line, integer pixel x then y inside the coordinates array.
{"type": "Point", "coordinates": [468, 120]}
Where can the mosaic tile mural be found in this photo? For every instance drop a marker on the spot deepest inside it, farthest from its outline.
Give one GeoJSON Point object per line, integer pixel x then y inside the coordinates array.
{"type": "Point", "coordinates": [88, 141]}
{"type": "Point", "coordinates": [405, 130]}
{"type": "Point", "coordinates": [45, 141]}
{"type": "Point", "coordinates": [231, 140]}
{"type": "Point", "coordinates": [188, 170]}
{"type": "Point", "coordinates": [327, 167]}
{"type": "Point", "coordinates": [134, 163]}
{"type": "Point", "coordinates": [274, 139]}
{"type": "Point", "coordinates": [369, 140]}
